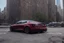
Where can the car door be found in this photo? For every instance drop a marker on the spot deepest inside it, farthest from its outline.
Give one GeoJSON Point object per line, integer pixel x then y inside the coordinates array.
{"type": "Point", "coordinates": [20, 25]}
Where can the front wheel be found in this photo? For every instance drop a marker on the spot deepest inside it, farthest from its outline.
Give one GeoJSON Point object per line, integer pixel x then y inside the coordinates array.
{"type": "Point", "coordinates": [27, 30]}
{"type": "Point", "coordinates": [11, 29]}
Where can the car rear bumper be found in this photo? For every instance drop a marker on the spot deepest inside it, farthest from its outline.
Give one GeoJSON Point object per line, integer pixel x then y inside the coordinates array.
{"type": "Point", "coordinates": [39, 29]}
{"type": "Point", "coordinates": [36, 30]}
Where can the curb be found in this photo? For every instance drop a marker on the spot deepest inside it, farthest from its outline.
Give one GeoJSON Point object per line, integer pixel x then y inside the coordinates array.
{"type": "Point", "coordinates": [4, 26]}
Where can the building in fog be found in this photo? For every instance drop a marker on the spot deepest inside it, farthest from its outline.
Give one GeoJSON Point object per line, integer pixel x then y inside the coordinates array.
{"type": "Point", "coordinates": [63, 3]}
{"type": "Point", "coordinates": [63, 10]}
{"type": "Point", "coordinates": [13, 10]}
{"type": "Point", "coordinates": [52, 10]}
{"type": "Point", "coordinates": [4, 13]}
{"type": "Point", "coordinates": [1, 17]}
{"type": "Point", "coordinates": [25, 9]}
{"type": "Point", "coordinates": [59, 9]}
{"type": "Point", "coordinates": [30, 7]}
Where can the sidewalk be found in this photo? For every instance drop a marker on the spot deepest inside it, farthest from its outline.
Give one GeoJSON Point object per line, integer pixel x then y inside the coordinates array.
{"type": "Point", "coordinates": [3, 26]}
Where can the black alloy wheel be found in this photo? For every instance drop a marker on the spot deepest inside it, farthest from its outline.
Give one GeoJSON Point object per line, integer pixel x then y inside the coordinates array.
{"type": "Point", "coordinates": [27, 30]}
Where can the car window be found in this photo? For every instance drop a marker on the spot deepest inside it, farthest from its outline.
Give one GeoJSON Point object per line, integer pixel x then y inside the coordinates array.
{"type": "Point", "coordinates": [21, 22]}
{"type": "Point", "coordinates": [24, 22]}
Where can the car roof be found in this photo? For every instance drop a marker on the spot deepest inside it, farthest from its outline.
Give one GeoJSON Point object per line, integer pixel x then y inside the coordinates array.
{"type": "Point", "coordinates": [25, 20]}
{"type": "Point", "coordinates": [28, 20]}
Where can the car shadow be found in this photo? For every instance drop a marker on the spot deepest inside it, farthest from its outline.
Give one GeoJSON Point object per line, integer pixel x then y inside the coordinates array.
{"type": "Point", "coordinates": [18, 31]}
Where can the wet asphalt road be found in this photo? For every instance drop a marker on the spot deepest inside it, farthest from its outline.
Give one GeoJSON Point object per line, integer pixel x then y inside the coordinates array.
{"type": "Point", "coordinates": [19, 37]}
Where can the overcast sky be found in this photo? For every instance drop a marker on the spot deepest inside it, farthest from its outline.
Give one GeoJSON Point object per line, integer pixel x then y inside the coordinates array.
{"type": "Point", "coordinates": [3, 4]}
{"type": "Point", "coordinates": [59, 2]}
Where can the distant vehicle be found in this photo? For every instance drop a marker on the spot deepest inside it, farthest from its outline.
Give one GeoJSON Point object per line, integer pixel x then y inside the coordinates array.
{"type": "Point", "coordinates": [0, 23]}
{"type": "Point", "coordinates": [62, 24]}
{"type": "Point", "coordinates": [28, 26]}
{"type": "Point", "coordinates": [54, 24]}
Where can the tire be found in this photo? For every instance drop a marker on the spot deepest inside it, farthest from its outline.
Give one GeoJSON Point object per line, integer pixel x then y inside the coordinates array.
{"type": "Point", "coordinates": [41, 31]}
{"type": "Point", "coordinates": [27, 30]}
{"type": "Point", "coordinates": [45, 30]}
{"type": "Point", "coordinates": [62, 25]}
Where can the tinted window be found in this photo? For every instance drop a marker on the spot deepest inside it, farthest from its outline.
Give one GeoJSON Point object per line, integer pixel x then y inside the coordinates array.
{"type": "Point", "coordinates": [24, 22]}
{"type": "Point", "coordinates": [21, 22]}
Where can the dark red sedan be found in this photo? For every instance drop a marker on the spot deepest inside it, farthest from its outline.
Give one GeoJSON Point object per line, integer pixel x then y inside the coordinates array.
{"type": "Point", "coordinates": [28, 26]}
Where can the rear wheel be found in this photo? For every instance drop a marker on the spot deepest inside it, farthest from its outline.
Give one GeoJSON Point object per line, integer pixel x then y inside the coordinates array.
{"type": "Point", "coordinates": [27, 30]}
{"type": "Point", "coordinates": [45, 30]}
{"type": "Point", "coordinates": [62, 25]}
{"type": "Point", "coordinates": [41, 31]}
